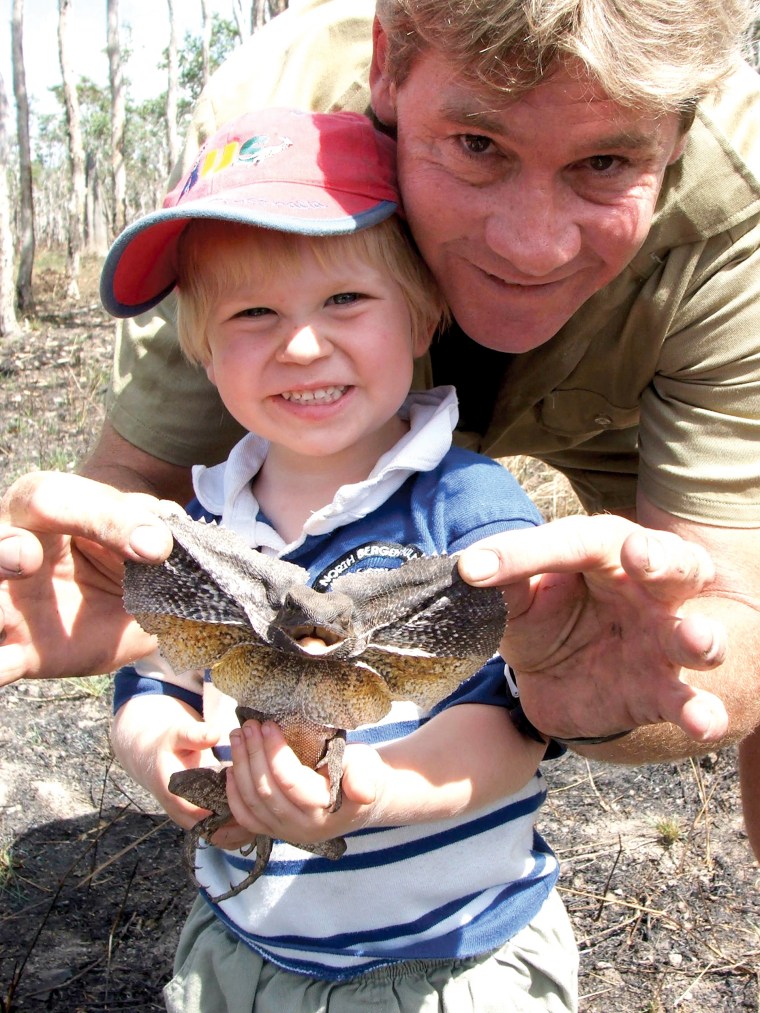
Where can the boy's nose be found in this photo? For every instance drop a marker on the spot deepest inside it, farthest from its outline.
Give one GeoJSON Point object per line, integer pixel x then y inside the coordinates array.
{"type": "Point", "coordinates": [304, 344]}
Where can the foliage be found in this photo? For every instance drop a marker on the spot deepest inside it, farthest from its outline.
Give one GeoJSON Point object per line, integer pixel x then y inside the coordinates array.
{"type": "Point", "coordinates": [224, 38]}
{"type": "Point", "coordinates": [146, 151]}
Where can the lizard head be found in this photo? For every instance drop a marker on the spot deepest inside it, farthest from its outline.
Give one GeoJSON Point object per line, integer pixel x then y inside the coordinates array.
{"type": "Point", "coordinates": [314, 623]}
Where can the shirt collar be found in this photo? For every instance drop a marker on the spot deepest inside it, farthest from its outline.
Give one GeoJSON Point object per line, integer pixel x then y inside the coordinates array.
{"type": "Point", "coordinates": [225, 489]}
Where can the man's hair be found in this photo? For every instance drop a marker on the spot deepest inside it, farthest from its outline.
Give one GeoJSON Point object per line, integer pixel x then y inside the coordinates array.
{"type": "Point", "coordinates": [662, 55]}
{"type": "Point", "coordinates": [215, 257]}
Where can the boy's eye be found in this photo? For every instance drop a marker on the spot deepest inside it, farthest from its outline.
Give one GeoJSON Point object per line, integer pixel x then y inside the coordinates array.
{"type": "Point", "coordinates": [343, 298]}
{"type": "Point", "coordinates": [254, 311]}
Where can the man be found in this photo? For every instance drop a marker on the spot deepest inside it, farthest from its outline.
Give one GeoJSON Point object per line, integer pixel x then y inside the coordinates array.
{"type": "Point", "coordinates": [590, 209]}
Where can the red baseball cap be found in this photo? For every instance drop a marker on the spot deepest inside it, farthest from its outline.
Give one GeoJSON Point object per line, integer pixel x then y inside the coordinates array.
{"type": "Point", "coordinates": [317, 174]}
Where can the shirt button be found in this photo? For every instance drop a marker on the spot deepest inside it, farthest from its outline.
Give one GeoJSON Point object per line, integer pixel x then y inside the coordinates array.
{"type": "Point", "coordinates": [603, 420]}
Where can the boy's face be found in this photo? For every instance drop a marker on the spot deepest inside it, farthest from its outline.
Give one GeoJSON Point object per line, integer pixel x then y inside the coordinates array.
{"type": "Point", "coordinates": [315, 359]}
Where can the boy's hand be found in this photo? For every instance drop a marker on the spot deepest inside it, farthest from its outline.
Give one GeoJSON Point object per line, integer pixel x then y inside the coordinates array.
{"type": "Point", "coordinates": [154, 736]}
{"type": "Point", "coordinates": [271, 792]}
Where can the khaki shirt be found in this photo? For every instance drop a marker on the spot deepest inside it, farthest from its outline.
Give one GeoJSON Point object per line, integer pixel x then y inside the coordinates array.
{"type": "Point", "coordinates": [655, 380]}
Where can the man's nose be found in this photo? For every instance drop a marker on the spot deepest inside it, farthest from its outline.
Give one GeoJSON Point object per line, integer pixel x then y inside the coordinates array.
{"type": "Point", "coordinates": [533, 228]}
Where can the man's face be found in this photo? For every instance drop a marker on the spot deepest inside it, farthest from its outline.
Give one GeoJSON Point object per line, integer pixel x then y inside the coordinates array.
{"type": "Point", "coordinates": [523, 207]}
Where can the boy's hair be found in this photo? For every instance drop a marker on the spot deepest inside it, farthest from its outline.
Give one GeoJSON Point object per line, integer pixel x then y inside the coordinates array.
{"type": "Point", "coordinates": [216, 256]}
{"type": "Point", "coordinates": [663, 55]}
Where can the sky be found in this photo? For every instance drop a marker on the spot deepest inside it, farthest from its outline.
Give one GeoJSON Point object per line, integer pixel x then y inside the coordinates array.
{"type": "Point", "coordinates": [149, 21]}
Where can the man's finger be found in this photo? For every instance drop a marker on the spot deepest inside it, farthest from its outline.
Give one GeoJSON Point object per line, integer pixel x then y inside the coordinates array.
{"type": "Point", "coordinates": [14, 663]}
{"type": "Point", "coordinates": [50, 502]}
{"type": "Point", "coordinates": [671, 568]}
{"type": "Point", "coordinates": [567, 545]}
{"type": "Point", "coordinates": [695, 642]}
{"type": "Point", "coordinates": [20, 553]}
{"type": "Point", "coordinates": [703, 718]}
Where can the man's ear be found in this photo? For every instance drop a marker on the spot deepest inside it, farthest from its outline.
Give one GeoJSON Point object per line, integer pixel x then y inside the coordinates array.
{"type": "Point", "coordinates": [678, 148]}
{"type": "Point", "coordinates": [382, 89]}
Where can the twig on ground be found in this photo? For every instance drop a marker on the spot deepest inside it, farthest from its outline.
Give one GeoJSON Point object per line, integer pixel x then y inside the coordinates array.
{"type": "Point", "coordinates": [598, 915]}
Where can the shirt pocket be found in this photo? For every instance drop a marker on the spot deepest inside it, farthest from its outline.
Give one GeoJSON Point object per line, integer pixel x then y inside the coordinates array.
{"type": "Point", "coordinates": [583, 414]}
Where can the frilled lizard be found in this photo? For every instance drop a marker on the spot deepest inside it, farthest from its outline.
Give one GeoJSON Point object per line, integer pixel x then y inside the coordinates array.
{"type": "Point", "coordinates": [317, 663]}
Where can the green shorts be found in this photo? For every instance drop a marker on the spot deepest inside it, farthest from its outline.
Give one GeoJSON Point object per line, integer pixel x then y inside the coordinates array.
{"type": "Point", "coordinates": [537, 970]}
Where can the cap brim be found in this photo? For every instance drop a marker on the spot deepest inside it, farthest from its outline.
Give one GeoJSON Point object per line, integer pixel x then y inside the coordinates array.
{"type": "Point", "coordinates": [141, 267]}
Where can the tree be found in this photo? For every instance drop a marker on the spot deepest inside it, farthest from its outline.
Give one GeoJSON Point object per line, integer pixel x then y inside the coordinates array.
{"type": "Point", "coordinates": [205, 44]}
{"type": "Point", "coordinates": [265, 10]}
{"type": "Point", "coordinates": [24, 297]}
{"type": "Point", "coordinates": [118, 121]}
{"type": "Point", "coordinates": [8, 322]}
{"type": "Point", "coordinates": [243, 14]}
{"type": "Point", "coordinates": [52, 173]}
{"type": "Point", "coordinates": [223, 39]}
{"type": "Point", "coordinates": [172, 88]}
{"type": "Point", "coordinates": [252, 14]}
{"type": "Point", "coordinates": [76, 204]}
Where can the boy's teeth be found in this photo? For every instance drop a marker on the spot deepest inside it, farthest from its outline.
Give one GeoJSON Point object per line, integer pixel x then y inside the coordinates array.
{"type": "Point", "coordinates": [321, 394]}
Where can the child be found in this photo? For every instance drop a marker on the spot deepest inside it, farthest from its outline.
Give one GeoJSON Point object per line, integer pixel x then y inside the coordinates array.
{"type": "Point", "coordinates": [301, 295]}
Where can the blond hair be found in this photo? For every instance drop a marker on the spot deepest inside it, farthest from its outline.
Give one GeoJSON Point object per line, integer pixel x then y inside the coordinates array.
{"type": "Point", "coordinates": [662, 55]}
{"type": "Point", "coordinates": [215, 257]}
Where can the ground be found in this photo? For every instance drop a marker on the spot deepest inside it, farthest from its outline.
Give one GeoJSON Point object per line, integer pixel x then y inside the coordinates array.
{"type": "Point", "coordinates": [656, 870]}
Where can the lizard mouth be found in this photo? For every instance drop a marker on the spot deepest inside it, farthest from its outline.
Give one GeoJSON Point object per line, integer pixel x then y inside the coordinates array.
{"type": "Point", "coordinates": [314, 639]}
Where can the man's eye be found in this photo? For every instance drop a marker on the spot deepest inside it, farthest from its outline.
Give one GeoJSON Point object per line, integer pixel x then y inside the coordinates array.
{"type": "Point", "coordinates": [343, 298]}
{"type": "Point", "coordinates": [602, 163]}
{"type": "Point", "coordinates": [476, 144]}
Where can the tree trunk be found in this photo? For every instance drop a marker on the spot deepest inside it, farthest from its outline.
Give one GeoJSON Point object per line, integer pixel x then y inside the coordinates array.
{"type": "Point", "coordinates": [265, 10]}
{"type": "Point", "coordinates": [24, 296]}
{"type": "Point", "coordinates": [75, 239]}
{"type": "Point", "coordinates": [172, 90]}
{"type": "Point", "coordinates": [206, 39]}
{"type": "Point", "coordinates": [243, 13]}
{"type": "Point", "coordinates": [8, 322]}
{"type": "Point", "coordinates": [96, 216]}
{"type": "Point", "coordinates": [118, 120]}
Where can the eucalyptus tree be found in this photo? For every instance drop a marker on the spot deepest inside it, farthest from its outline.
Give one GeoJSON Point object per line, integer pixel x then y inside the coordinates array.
{"type": "Point", "coordinates": [25, 217]}
{"type": "Point", "coordinates": [8, 321]}
{"type": "Point", "coordinates": [76, 201]}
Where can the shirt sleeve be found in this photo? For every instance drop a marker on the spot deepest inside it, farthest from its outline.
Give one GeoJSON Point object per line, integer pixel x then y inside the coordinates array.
{"type": "Point", "coordinates": [699, 434]}
{"type": "Point", "coordinates": [154, 675]}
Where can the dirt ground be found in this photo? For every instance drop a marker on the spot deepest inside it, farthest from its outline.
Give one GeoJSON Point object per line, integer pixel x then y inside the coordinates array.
{"type": "Point", "coordinates": [656, 870]}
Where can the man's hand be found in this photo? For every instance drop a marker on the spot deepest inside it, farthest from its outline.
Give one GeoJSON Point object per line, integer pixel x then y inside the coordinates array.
{"type": "Point", "coordinates": [595, 632]}
{"type": "Point", "coordinates": [63, 541]}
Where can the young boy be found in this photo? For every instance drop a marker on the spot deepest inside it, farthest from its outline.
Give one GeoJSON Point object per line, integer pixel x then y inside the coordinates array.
{"type": "Point", "coordinates": [301, 295]}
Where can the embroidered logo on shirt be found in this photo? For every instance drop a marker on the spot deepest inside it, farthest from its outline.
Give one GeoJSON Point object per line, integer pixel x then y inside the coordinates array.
{"type": "Point", "coordinates": [374, 555]}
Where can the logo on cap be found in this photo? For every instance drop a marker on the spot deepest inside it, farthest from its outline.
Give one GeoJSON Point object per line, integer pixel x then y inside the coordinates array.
{"type": "Point", "coordinates": [252, 151]}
